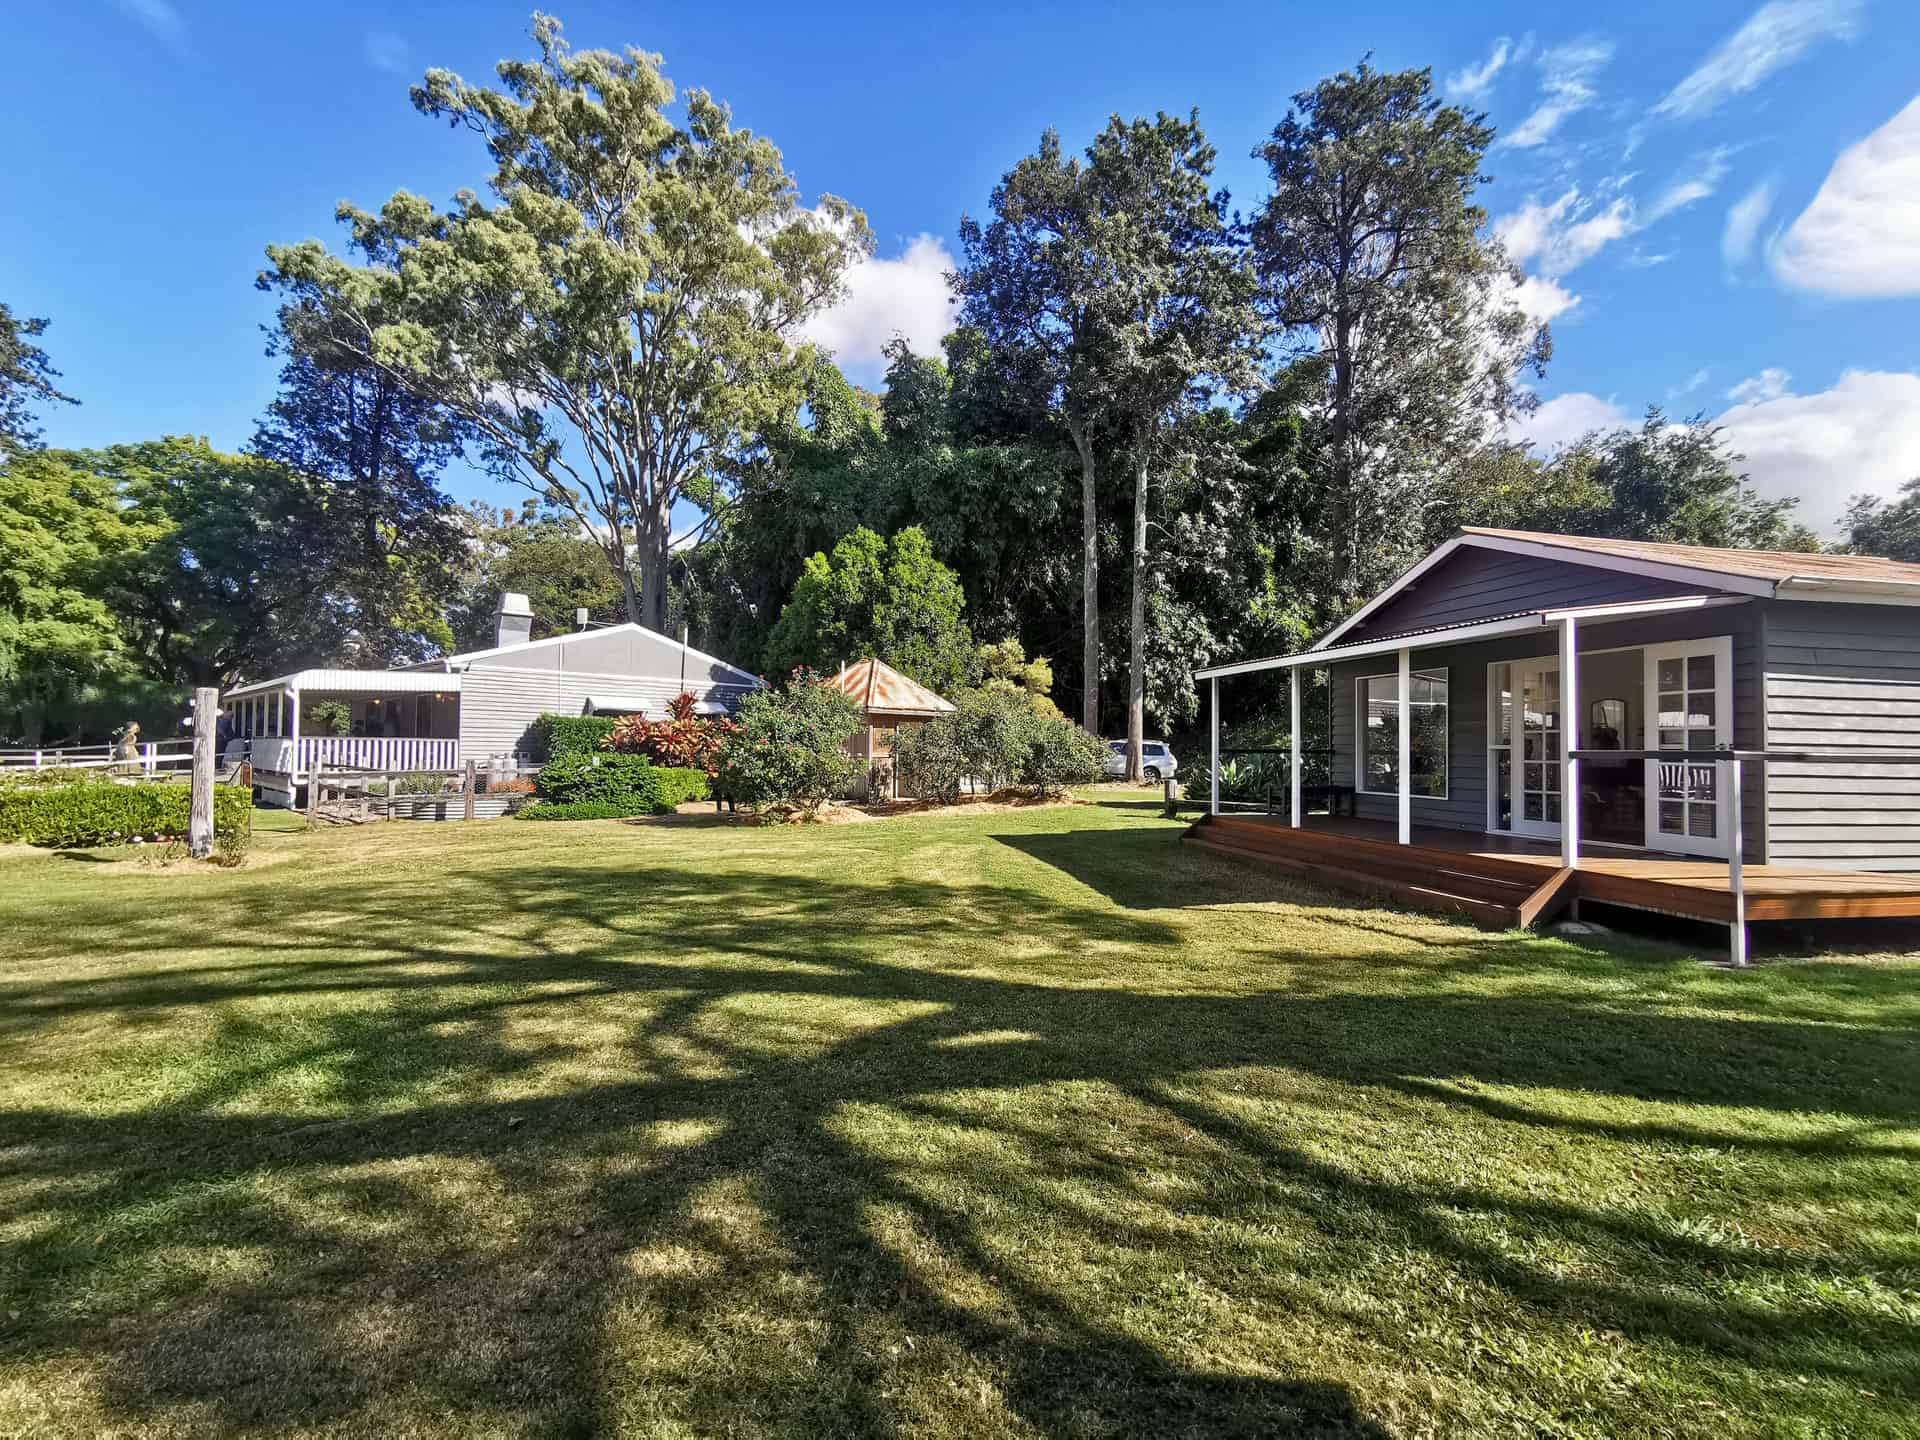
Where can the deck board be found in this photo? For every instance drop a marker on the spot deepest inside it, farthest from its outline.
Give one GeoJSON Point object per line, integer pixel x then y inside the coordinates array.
{"type": "Point", "coordinates": [1697, 889]}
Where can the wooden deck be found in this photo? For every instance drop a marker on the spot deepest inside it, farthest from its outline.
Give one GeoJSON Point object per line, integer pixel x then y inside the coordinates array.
{"type": "Point", "coordinates": [1504, 882]}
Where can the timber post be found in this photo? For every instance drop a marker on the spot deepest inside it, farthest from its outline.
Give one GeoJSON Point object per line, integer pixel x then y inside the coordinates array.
{"type": "Point", "coordinates": [467, 791]}
{"type": "Point", "coordinates": [206, 710]}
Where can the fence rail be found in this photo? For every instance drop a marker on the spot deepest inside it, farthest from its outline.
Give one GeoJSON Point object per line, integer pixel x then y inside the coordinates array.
{"type": "Point", "coordinates": [150, 758]}
{"type": "Point", "coordinates": [366, 794]}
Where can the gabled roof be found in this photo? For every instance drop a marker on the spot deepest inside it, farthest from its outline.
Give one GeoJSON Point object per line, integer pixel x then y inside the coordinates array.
{"type": "Point", "coordinates": [656, 636]}
{"type": "Point", "coordinates": [1781, 574]}
{"type": "Point", "coordinates": [882, 690]}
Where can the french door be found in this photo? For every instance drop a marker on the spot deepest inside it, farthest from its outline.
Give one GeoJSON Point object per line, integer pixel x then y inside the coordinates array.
{"type": "Point", "coordinates": [1689, 690]}
{"type": "Point", "coordinates": [1535, 775]}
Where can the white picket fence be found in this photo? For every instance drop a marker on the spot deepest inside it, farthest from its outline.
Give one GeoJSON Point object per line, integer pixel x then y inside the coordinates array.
{"type": "Point", "coordinates": [153, 758]}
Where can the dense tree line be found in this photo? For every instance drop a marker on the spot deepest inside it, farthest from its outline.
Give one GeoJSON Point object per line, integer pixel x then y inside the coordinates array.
{"type": "Point", "coordinates": [1161, 433]}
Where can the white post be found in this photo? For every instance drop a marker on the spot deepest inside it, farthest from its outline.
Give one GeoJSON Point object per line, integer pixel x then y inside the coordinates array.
{"type": "Point", "coordinates": [1405, 758]}
{"type": "Point", "coordinates": [293, 742]}
{"type": "Point", "coordinates": [149, 758]}
{"type": "Point", "coordinates": [1569, 742]}
{"type": "Point", "coordinates": [206, 705]}
{"type": "Point", "coordinates": [36, 759]}
{"type": "Point", "coordinates": [1736, 867]}
{"type": "Point", "coordinates": [1213, 759]}
{"type": "Point", "coordinates": [1293, 742]}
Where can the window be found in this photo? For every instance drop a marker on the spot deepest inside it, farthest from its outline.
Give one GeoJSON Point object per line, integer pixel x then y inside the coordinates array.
{"type": "Point", "coordinates": [1379, 711]}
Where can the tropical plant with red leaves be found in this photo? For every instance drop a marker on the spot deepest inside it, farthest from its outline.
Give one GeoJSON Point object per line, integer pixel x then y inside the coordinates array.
{"type": "Point", "coordinates": [683, 739]}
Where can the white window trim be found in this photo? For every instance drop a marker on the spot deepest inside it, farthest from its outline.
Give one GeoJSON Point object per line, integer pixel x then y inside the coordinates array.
{"type": "Point", "coordinates": [1445, 673]}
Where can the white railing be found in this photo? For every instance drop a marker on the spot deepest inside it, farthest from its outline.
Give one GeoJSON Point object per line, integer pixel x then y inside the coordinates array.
{"type": "Point", "coordinates": [152, 758]}
{"type": "Point", "coordinates": [354, 752]}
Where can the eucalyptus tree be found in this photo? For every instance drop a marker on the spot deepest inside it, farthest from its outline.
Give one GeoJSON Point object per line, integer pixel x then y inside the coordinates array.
{"type": "Point", "coordinates": [1393, 302]}
{"type": "Point", "coordinates": [1032, 286]}
{"type": "Point", "coordinates": [620, 318]}
{"type": "Point", "coordinates": [1177, 319]}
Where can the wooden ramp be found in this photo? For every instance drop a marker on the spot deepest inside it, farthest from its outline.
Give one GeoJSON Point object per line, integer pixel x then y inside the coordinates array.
{"type": "Point", "coordinates": [1504, 884]}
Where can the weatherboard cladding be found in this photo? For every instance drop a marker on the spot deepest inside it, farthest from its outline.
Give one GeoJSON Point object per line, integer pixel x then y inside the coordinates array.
{"type": "Point", "coordinates": [1476, 583]}
{"type": "Point", "coordinates": [1843, 678]}
{"type": "Point", "coordinates": [503, 692]}
{"type": "Point", "coordinates": [1465, 804]}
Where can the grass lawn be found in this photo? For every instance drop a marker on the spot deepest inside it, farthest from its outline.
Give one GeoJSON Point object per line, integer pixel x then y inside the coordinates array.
{"type": "Point", "coordinates": [1024, 1123]}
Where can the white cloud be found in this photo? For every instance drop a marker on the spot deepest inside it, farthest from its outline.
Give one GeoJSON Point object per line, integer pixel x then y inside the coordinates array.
{"type": "Point", "coordinates": [1470, 82]}
{"type": "Point", "coordinates": [1693, 185]}
{"type": "Point", "coordinates": [1564, 234]}
{"type": "Point", "coordinates": [1744, 219]}
{"type": "Point", "coordinates": [1776, 34]}
{"type": "Point", "coordinates": [1860, 237]}
{"type": "Point", "coordinates": [387, 51]}
{"type": "Point", "coordinates": [907, 296]}
{"type": "Point", "coordinates": [1543, 301]}
{"type": "Point", "coordinates": [1860, 436]}
{"type": "Point", "coordinates": [1566, 84]}
{"type": "Point", "coordinates": [1770, 384]}
{"type": "Point", "coordinates": [1565, 418]}
{"type": "Point", "coordinates": [1646, 260]}
{"type": "Point", "coordinates": [159, 16]}
{"type": "Point", "coordinates": [1693, 383]}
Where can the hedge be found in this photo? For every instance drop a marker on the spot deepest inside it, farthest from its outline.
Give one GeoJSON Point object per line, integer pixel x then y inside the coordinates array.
{"type": "Point", "coordinates": [614, 779]}
{"type": "Point", "coordinates": [100, 812]}
{"type": "Point", "coordinates": [555, 735]}
{"type": "Point", "coordinates": [585, 810]}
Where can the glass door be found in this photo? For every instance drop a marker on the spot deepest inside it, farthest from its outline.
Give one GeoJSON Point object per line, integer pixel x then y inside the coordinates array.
{"type": "Point", "coordinates": [1535, 777]}
{"type": "Point", "coordinates": [1689, 687]}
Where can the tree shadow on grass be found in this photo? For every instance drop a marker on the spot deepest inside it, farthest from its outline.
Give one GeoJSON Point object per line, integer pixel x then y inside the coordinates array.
{"type": "Point", "coordinates": [646, 1146]}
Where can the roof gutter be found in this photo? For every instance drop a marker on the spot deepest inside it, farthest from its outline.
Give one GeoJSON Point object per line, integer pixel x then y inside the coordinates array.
{"type": "Point", "coordinates": [1870, 592]}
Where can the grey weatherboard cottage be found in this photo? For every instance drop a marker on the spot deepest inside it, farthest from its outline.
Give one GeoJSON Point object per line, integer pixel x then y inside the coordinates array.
{"type": "Point", "coordinates": [1524, 656]}
{"type": "Point", "coordinates": [478, 705]}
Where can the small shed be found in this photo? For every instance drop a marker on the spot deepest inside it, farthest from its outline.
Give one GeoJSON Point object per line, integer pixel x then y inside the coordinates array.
{"type": "Point", "coordinates": [888, 700]}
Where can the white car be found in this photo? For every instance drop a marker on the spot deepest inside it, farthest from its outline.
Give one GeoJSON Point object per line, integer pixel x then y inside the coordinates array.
{"type": "Point", "coordinates": [1156, 760]}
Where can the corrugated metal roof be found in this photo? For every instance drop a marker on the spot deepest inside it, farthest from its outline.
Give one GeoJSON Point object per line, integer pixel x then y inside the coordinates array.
{"type": "Point", "coordinates": [1754, 564]}
{"type": "Point", "coordinates": [883, 690]}
{"type": "Point", "coordinates": [355, 682]}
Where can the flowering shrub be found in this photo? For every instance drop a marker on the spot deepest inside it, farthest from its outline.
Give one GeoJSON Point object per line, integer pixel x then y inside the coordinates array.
{"type": "Point", "coordinates": [788, 752]}
{"type": "Point", "coordinates": [687, 740]}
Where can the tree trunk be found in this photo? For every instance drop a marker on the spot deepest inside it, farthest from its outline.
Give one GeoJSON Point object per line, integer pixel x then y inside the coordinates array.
{"type": "Point", "coordinates": [1089, 583]}
{"type": "Point", "coordinates": [1340, 499]}
{"type": "Point", "coordinates": [1137, 620]}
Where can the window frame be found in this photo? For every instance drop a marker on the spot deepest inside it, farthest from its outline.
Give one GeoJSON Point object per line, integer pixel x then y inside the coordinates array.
{"type": "Point", "coordinates": [1442, 673]}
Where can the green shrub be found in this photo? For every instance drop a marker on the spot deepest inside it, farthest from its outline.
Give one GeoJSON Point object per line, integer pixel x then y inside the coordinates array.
{"type": "Point", "coordinates": [995, 738]}
{"type": "Point", "coordinates": [99, 812]}
{"type": "Point", "coordinates": [553, 736]}
{"type": "Point", "coordinates": [679, 785]}
{"type": "Point", "coordinates": [790, 753]}
{"type": "Point", "coordinates": [585, 810]}
{"type": "Point", "coordinates": [1060, 755]}
{"type": "Point", "coordinates": [603, 778]}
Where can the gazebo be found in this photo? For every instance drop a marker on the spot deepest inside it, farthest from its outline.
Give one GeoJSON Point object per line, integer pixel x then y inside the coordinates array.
{"type": "Point", "coordinates": [888, 700]}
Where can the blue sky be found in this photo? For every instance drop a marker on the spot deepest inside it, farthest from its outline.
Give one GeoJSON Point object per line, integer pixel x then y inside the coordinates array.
{"type": "Point", "coordinates": [1717, 204]}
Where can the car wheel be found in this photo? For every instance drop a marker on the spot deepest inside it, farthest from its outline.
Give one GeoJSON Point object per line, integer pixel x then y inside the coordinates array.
{"type": "Point", "coordinates": [1153, 774]}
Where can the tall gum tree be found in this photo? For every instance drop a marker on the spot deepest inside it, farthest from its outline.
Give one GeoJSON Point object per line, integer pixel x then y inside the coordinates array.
{"type": "Point", "coordinates": [1375, 268]}
{"type": "Point", "coordinates": [1031, 286]}
{"type": "Point", "coordinates": [620, 318]}
{"type": "Point", "coordinates": [1178, 320]}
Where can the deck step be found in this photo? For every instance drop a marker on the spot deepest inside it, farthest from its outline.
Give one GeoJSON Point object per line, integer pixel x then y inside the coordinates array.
{"type": "Point", "coordinates": [1446, 894]}
{"type": "Point", "coordinates": [1503, 882]}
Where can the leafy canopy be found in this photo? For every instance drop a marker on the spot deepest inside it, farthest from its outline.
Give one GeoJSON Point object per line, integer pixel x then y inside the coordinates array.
{"type": "Point", "coordinates": [886, 598]}
{"type": "Point", "coordinates": [622, 317]}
